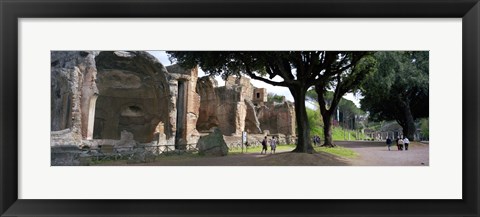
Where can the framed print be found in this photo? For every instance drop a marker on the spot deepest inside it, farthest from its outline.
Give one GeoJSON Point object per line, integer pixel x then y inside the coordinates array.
{"type": "Point", "coordinates": [109, 47]}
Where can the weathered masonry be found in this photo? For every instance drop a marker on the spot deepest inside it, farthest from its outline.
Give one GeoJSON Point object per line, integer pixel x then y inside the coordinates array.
{"type": "Point", "coordinates": [239, 106]}
{"type": "Point", "coordinates": [126, 98]}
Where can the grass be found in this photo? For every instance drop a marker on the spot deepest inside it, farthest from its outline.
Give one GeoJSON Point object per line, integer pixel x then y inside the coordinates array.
{"type": "Point", "coordinates": [341, 134]}
{"type": "Point", "coordinates": [338, 133]}
{"type": "Point", "coordinates": [338, 151]}
{"type": "Point", "coordinates": [259, 149]}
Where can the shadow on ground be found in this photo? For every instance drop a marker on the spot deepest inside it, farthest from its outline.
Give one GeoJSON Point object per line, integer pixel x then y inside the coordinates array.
{"type": "Point", "coordinates": [251, 159]}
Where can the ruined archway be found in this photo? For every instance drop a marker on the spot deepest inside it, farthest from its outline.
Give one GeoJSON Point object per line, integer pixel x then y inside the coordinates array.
{"type": "Point", "coordinates": [133, 95]}
{"type": "Point", "coordinates": [61, 101]}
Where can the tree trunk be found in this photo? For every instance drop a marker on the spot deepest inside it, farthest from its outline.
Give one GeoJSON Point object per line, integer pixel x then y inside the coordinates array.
{"type": "Point", "coordinates": [405, 119]}
{"type": "Point", "coordinates": [327, 129]}
{"type": "Point", "coordinates": [327, 114]}
{"type": "Point", "coordinates": [303, 142]}
{"type": "Point", "coordinates": [409, 128]}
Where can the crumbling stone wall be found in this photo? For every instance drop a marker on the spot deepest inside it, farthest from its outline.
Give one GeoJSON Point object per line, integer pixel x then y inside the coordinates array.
{"type": "Point", "coordinates": [221, 107]}
{"type": "Point", "coordinates": [243, 85]}
{"type": "Point", "coordinates": [99, 97]}
{"type": "Point", "coordinates": [277, 118]}
{"type": "Point", "coordinates": [207, 118]}
{"type": "Point", "coordinates": [231, 110]}
{"type": "Point", "coordinates": [259, 96]}
{"type": "Point", "coordinates": [252, 124]}
{"type": "Point", "coordinates": [72, 85]}
{"type": "Point", "coordinates": [133, 95]}
{"type": "Point", "coordinates": [119, 99]}
{"type": "Point", "coordinates": [235, 107]}
{"type": "Point", "coordinates": [185, 104]}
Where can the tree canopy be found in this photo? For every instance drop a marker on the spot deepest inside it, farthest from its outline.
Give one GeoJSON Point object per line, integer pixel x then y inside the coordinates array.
{"type": "Point", "coordinates": [297, 70]}
{"type": "Point", "coordinates": [347, 81]}
{"type": "Point", "coordinates": [272, 97]}
{"type": "Point", "coordinates": [344, 104]}
{"type": "Point", "coordinates": [347, 109]}
{"type": "Point", "coordinates": [398, 89]}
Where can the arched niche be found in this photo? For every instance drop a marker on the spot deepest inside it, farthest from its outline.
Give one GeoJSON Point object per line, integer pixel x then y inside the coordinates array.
{"type": "Point", "coordinates": [133, 95]}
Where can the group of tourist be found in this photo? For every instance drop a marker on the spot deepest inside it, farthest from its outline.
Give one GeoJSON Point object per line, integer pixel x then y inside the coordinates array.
{"type": "Point", "coordinates": [273, 145]}
{"type": "Point", "coordinates": [402, 143]}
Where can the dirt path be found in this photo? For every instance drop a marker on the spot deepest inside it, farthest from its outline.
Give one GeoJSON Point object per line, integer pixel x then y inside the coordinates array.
{"type": "Point", "coordinates": [370, 154]}
{"type": "Point", "coordinates": [250, 159]}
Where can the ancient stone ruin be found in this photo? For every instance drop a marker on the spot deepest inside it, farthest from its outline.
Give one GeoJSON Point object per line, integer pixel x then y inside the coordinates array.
{"type": "Point", "coordinates": [125, 99]}
{"type": "Point", "coordinates": [239, 106]}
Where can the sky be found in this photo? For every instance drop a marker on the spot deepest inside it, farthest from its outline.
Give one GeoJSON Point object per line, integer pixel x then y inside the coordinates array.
{"type": "Point", "coordinates": [283, 91]}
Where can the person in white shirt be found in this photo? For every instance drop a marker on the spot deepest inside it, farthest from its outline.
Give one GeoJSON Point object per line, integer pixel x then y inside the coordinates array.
{"type": "Point", "coordinates": [273, 145]}
{"type": "Point", "coordinates": [400, 145]}
{"type": "Point", "coordinates": [405, 143]}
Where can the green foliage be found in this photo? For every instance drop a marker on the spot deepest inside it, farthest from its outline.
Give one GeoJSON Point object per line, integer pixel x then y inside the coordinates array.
{"type": "Point", "coordinates": [271, 97]}
{"type": "Point", "coordinates": [400, 79]}
{"type": "Point", "coordinates": [424, 128]}
{"type": "Point", "coordinates": [351, 79]}
{"type": "Point", "coordinates": [353, 74]}
{"type": "Point", "coordinates": [315, 121]}
{"type": "Point", "coordinates": [347, 107]}
{"type": "Point", "coordinates": [299, 70]}
{"type": "Point", "coordinates": [258, 149]}
{"type": "Point", "coordinates": [375, 125]}
{"type": "Point", "coordinates": [338, 133]}
{"type": "Point", "coordinates": [344, 104]}
{"type": "Point", "coordinates": [224, 63]}
{"type": "Point", "coordinates": [322, 68]}
{"type": "Point", "coordinates": [337, 150]}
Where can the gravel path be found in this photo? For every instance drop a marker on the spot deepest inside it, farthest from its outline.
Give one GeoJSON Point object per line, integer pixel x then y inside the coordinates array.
{"type": "Point", "coordinates": [377, 154]}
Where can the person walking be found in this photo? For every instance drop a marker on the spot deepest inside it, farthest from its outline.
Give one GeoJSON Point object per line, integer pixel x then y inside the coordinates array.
{"type": "Point", "coordinates": [318, 140]}
{"type": "Point", "coordinates": [264, 145]}
{"type": "Point", "coordinates": [405, 143]}
{"type": "Point", "coordinates": [389, 143]}
{"type": "Point", "coordinates": [400, 144]}
{"type": "Point", "coordinates": [273, 145]}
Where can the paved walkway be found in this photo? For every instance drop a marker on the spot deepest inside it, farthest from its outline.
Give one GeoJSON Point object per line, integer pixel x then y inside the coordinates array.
{"type": "Point", "coordinates": [377, 154]}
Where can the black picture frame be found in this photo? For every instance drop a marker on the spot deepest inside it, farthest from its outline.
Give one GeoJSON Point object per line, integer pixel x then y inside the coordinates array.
{"type": "Point", "coordinates": [11, 11]}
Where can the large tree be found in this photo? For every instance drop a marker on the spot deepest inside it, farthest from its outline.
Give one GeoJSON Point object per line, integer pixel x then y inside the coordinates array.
{"type": "Point", "coordinates": [398, 90]}
{"type": "Point", "coordinates": [354, 68]}
{"type": "Point", "coordinates": [297, 70]}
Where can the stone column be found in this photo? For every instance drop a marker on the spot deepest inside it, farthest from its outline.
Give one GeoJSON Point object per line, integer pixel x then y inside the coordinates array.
{"type": "Point", "coordinates": [89, 94]}
{"type": "Point", "coordinates": [91, 117]}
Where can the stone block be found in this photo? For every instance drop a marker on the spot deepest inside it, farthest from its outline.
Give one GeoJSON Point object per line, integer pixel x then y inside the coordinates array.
{"type": "Point", "coordinates": [212, 144]}
{"type": "Point", "coordinates": [65, 156]}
